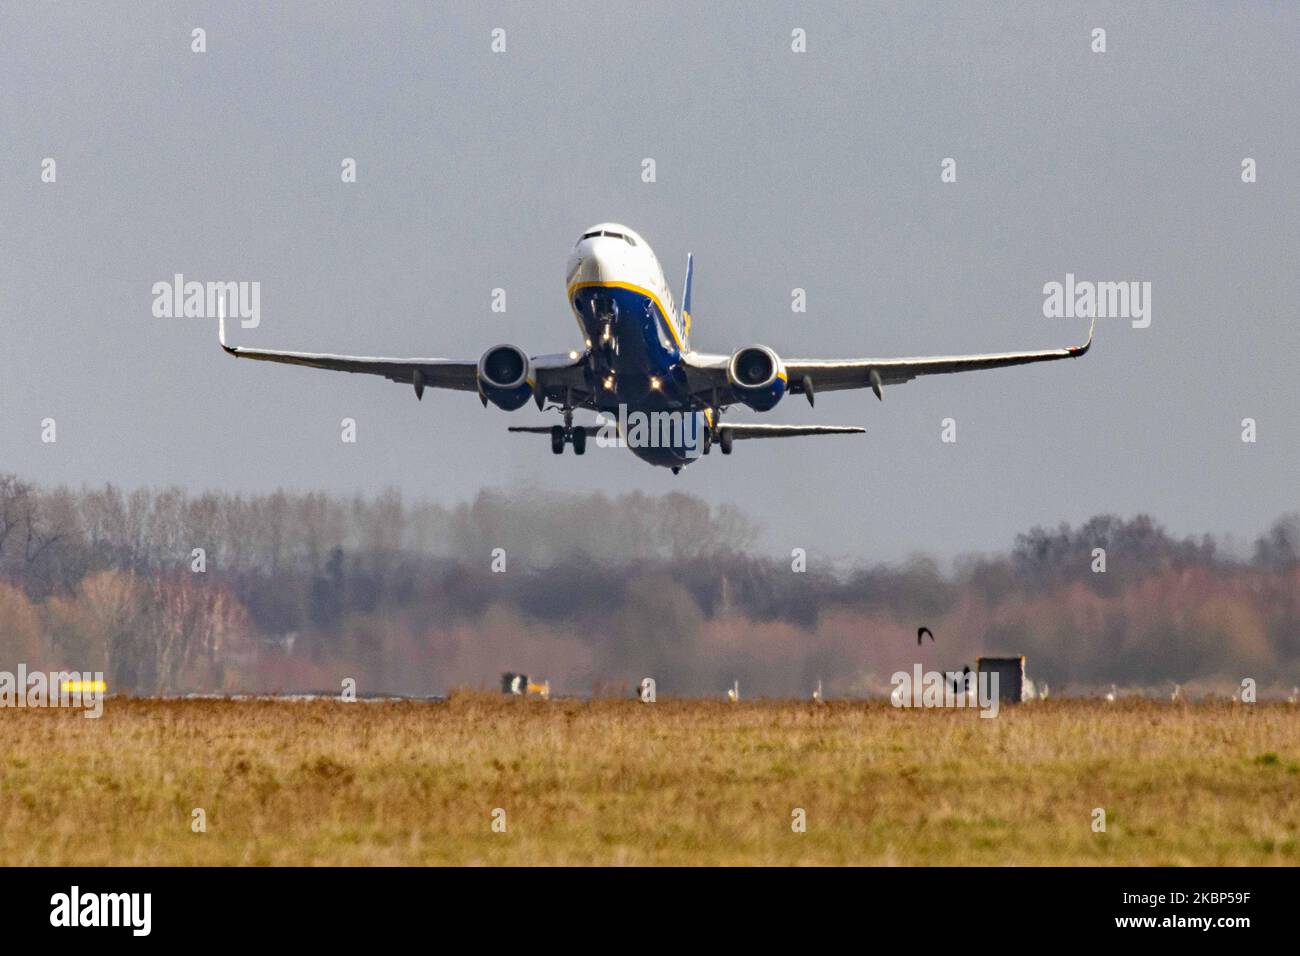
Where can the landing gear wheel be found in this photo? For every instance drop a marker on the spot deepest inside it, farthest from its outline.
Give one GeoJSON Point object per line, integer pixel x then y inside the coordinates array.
{"type": "Point", "coordinates": [557, 439]}
{"type": "Point", "coordinates": [725, 440]}
{"type": "Point", "coordinates": [579, 439]}
{"type": "Point", "coordinates": [708, 440]}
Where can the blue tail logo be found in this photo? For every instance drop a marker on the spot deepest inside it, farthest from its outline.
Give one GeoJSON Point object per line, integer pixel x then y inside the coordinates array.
{"type": "Point", "coordinates": [686, 295]}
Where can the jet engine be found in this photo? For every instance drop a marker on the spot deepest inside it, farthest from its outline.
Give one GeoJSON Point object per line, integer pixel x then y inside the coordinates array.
{"type": "Point", "coordinates": [505, 377]}
{"type": "Point", "coordinates": [757, 377]}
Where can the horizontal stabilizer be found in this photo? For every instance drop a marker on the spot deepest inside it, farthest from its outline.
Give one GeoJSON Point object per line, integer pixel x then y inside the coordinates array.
{"type": "Point", "coordinates": [739, 432]}
{"type": "Point", "coordinates": [591, 430]}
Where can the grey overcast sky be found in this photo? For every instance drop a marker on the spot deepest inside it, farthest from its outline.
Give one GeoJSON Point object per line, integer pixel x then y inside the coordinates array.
{"type": "Point", "coordinates": [818, 170]}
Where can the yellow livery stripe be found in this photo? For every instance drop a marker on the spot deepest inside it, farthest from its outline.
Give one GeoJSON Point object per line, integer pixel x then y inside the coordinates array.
{"type": "Point", "coordinates": [666, 315]}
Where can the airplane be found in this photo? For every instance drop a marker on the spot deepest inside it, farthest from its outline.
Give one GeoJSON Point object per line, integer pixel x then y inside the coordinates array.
{"type": "Point", "coordinates": [636, 357]}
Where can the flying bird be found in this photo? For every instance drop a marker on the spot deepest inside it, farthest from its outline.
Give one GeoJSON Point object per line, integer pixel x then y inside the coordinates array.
{"type": "Point", "coordinates": [922, 632]}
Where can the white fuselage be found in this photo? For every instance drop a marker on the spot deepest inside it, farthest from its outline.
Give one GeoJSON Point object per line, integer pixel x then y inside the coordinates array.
{"type": "Point", "coordinates": [631, 324]}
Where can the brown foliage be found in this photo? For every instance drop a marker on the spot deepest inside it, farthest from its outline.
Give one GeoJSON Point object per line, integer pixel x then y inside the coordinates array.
{"type": "Point", "coordinates": [301, 591]}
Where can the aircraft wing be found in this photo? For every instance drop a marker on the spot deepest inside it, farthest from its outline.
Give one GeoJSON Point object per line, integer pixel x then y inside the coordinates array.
{"type": "Point", "coordinates": [554, 372]}
{"type": "Point", "coordinates": [707, 372]}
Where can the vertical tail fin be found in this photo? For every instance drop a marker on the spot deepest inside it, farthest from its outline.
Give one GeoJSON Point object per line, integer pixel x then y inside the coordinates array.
{"type": "Point", "coordinates": [686, 295]}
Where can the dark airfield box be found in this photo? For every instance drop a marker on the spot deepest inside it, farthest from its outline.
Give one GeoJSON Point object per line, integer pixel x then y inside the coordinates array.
{"type": "Point", "coordinates": [1011, 676]}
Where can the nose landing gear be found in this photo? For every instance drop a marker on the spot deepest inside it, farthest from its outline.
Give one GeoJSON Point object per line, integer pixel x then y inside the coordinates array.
{"type": "Point", "coordinates": [605, 310]}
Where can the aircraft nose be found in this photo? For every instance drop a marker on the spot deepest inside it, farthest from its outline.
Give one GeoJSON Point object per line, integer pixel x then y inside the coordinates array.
{"type": "Point", "coordinates": [599, 261]}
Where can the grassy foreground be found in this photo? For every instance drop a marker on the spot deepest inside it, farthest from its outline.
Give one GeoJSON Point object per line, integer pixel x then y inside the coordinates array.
{"type": "Point", "coordinates": [618, 782]}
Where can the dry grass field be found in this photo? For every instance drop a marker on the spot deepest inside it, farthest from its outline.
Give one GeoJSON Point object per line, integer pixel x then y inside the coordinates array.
{"type": "Point", "coordinates": [677, 782]}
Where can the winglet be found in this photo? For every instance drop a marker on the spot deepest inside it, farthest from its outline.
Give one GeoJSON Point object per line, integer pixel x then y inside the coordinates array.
{"type": "Point", "coordinates": [1077, 350]}
{"type": "Point", "coordinates": [221, 325]}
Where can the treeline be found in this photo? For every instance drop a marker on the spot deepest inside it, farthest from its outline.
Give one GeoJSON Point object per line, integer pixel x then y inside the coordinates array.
{"type": "Point", "coordinates": [171, 592]}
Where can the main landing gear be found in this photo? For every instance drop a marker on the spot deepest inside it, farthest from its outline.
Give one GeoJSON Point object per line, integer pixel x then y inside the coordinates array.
{"type": "Point", "coordinates": [723, 436]}
{"type": "Point", "coordinates": [567, 434]}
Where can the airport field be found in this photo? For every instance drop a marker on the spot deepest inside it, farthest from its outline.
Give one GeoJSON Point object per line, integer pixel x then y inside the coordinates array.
{"type": "Point", "coordinates": [676, 782]}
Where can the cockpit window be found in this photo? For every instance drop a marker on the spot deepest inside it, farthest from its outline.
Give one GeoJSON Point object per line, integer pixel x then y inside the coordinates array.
{"type": "Point", "coordinates": [607, 233]}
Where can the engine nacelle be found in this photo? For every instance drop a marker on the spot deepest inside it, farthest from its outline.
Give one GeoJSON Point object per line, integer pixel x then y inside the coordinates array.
{"type": "Point", "coordinates": [505, 377]}
{"type": "Point", "coordinates": [757, 377]}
